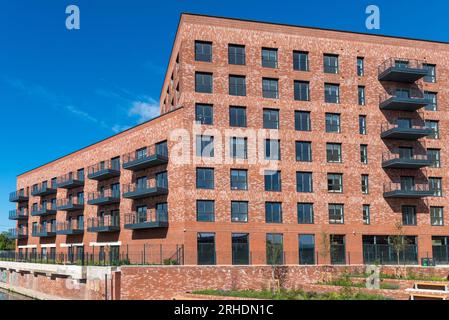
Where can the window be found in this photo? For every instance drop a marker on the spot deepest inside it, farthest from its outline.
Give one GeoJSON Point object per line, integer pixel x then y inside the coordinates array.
{"type": "Point", "coordinates": [205, 210]}
{"type": "Point", "coordinates": [331, 93]}
{"type": "Point", "coordinates": [305, 213]}
{"type": "Point", "coordinates": [80, 174]}
{"type": "Point", "coordinates": [80, 197]}
{"type": "Point", "coordinates": [333, 122]}
{"type": "Point", "coordinates": [239, 179]}
{"type": "Point", "coordinates": [361, 91]}
{"type": "Point", "coordinates": [338, 249]}
{"type": "Point", "coordinates": [330, 63]}
{"type": "Point", "coordinates": [365, 184]}
{"type": "Point", "coordinates": [240, 249]}
{"type": "Point", "coordinates": [407, 183]}
{"type": "Point", "coordinates": [272, 149]}
{"type": "Point", "coordinates": [161, 180]}
{"type": "Point", "coordinates": [115, 162]}
{"type": "Point", "coordinates": [269, 58]}
{"type": "Point", "coordinates": [300, 61]}
{"type": "Point", "coordinates": [366, 214]}
{"type": "Point", "coordinates": [431, 73]}
{"type": "Point", "coordinates": [204, 113]}
{"type": "Point", "coordinates": [336, 214]}
{"type": "Point", "coordinates": [405, 152]}
{"type": "Point", "coordinates": [270, 88]}
{"type": "Point", "coordinates": [237, 85]}
{"type": "Point", "coordinates": [273, 212]}
{"type": "Point", "coordinates": [360, 66]}
{"type": "Point", "coordinates": [204, 146]}
{"type": "Point", "coordinates": [304, 181]}
{"type": "Point", "coordinates": [436, 216]}
{"type": "Point", "coordinates": [335, 182]}
{"type": "Point", "coordinates": [141, 214]}
{"type": "Point", "coordinates": [409, 215]}
{"type": "Point", "coordinates": [204, 178]}
{"type": "Point", "coordinates": [161, 148]}
{"type": "Point", "coordinates": [434, 156]}
{"type": "Point", "coordinates": [141, 153]}
{"type": "Point", "coordinates": [431, 96]}
{"type": "Point", "coordinates": [301, 90]}
{"type": "Point", "coordinates": [239, 147]}
{"type": "Point", "coordinates": [236, 54]}
{"type": "Point", "coordinates": [271, 119]}
{"type": "Point", "coordinates": [239, 211]}
{"type": "Point", "coordinates": [435, 185]}
{"type": "Point", "coordinates": [275, 248]}
{"type": "Point", "coordinates": [431, 124]}
{"type": "Point", "coordinates": [206, 248]}
{"type": "Point", "coordinates": [203, 51]}
{"type": "Point", "coordinates": [272, 180]}
{"type": "Point", "coordinates": [306, 249]}
{"type": "Point", "coordinates": [203, 82]}
{"type": "Point", "coordinates": [364, 153]}
{"type": "Point", "coordinates": [302, 121]}
{"type": "Point", "coordinates": [362, 124]}
{"type": "Point", "coordinates": [303, 151]}
{"type": "Point", "coordinates": [237, 116]}
{"type": "Point", "coordinates": [333, 152]}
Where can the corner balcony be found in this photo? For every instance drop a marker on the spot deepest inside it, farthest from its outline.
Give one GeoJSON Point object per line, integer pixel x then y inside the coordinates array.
{"type": "Point", "coordinates": [401, 70]}
{"type": "Point", "coordinates": [43, 190]}
{"type": "Point", "coordinates": [21, 214]}
{"type": "Point", "coordinates": [17, 234]}
{"type": "Point", "coordinates": [68, 205]}
{"type": "Point", "coordinates": [413, 132]}
{"type": "Point", "coordinates": [396, 161]}
{"type": "Point", "coordinates": [70, 181]}
{"type": "Point", "coordinates": [43, 210]}
{"type": "Point", "coordinates": [417, 191]}
{"type": "Point", "coordinates": [396, 100]}
{"type": "Point", "coordinates": [133, 191]}
{"type": "Point", "coordinates": [104, 170]}
{"type": "Point", "coordinates": [104, 197]}
{"type": "Point", "coordinates": [18, 196]}
{"type": "Point", "coordinates": [152, 157]}
{"type": "Point", "coordinates": [44, 231]}
{"type": "Point", "coordinates": [70, 228]}
{"type": "Point", "coordinates": [104, 224]}
{"type": "Point", "coordinates": [148, 220]}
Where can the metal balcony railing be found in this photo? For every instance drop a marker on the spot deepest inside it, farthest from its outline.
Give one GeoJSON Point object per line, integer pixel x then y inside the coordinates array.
{"type": "Point", "coordinates": [70, 227]}
{"type": "Point", "coordinates": [18, 233]}
{"type": "Point", "coordinates": [18, 214]}
{"type": "Point", "coordinates": [145, 220]}
{"type": "Point", "coordinates": [104, 170]}
{"type": "Point", "coordinates": [399, 190]}
{"type": "Point", "coordinates": [106, 223]}
{"type": "Point", "coordinates": [150, 188]}
{"type": "Point", "coordinates": [103, 197]}
{"type": "Point", "coordinates": [44, 189]}
{"type": "Point", "coordinates": [401, 70]}
{"type": "Point", "coordinates": [403, 99]}
{"type": "Point", "coordinates": [70, 204]}
{"type": "Point", "coordinates": [19, 196]}
{"type": "Point", "coordinates": [413, 131]}
{"type": "Point", "coordinates": [144, 158]}
{"type": "Point", "coordinates": [48, 230]}
{"type": "Point", "coordinates": [43, 209]}
{"type": "Point", "coordinates": [70, 180]}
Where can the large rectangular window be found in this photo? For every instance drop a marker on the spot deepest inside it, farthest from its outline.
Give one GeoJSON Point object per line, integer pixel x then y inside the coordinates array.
{"type": "Point", "coordinates": [431, 124]}
{"type": "Point", "coordinates": [206, 248]}
{"type": "Point", "coordinates": [204, 113]}
{"type": "Point", "coordinates": [270, 88]}
{"type": "Point", "coordinates": [270, 119]}
{"type": "Point", "coordinates": [435, 185]}
{"type": "Point", "coordinates": [301, 90]}
{"type": "Point", "coordinates": [237, 85]}
{"type": "Point", "coordinates": [239, 179]}
{"type": "Point", "coordinates": [305, 213]}
{"type": "Point", "coordinates": [275, 248]}
{"type": "Point", "coordinates": [205, 146]}
{"type": "Point", "coordinates": [409, 215]}
{"type": "Point", "coordinates": [272, 180]}
{"type": "Point", "coordinates": [240, 249]}
{"type": "Point", "coordinates": [303, 151]}
{"type": "Point", "coordinates": [304, 181]}
{"type": "Point", "coordinates": [362, 124]}
{"type": "Point", "coordinates": [203, 82]}
{"type": "Point", "coordinates": [237, 117]}
{"type": "Point", "coordinates": [306, 249]}
{"type": "Point", "coordinates": [360, 66]}
{"type": "Point", "coordinates": [365, 184]}
{"type": "Point", "coordinates": [272, 149]}
{"type": "Point", "coordinates": [333, 152]}
{"type": "Point", "coordinates": [239, 211]}
{"type": "Point", "coordinates": [436, 216]}
{"type": "Point", "coordinates": [432, 97]}
{"type": "Point", "coordinates": [203, 51]}
{"type": "Point", "coordinates": [236, 54]}
{"type": "Point", "coordinates": [273, 212]}
{"type": "Point", "coordinates": [205, 210]}
{"type": "Point", "coordinates": [238, 147]}
{"type": "Point", "coordinates": [205, 178]}
{"type": "Point", "coordinates": [333, 123]}
{"type": "Point", "coordinates": [300, 61]}
{"type": "Point", "coordinates": [361, 96]}
{"type": "Point", "coordinates": [434, 156]}
{"type": "Point", "coordinates": [330, 63]}
{"type": "Point", "coordinates": [431, 73]}
{"type": "Point", "coordinates": [364, 153]}
{"type": "Point", "coordinates": [335, 182]}
{"type": "Point", "coordinates": [269, 57]}
{"type": "Point", "coordinates": [331, 93]}
{"type": "Point", "coordinates": [336, 213]}
{"type": "Point", "coordinates": [302, 121]}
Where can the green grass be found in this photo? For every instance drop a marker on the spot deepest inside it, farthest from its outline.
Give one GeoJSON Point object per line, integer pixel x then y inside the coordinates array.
{"type": "Point", "coordinates": [410, 276]}
{"type": "Point", "coordinates": [347, 282]}
{"type": "Point", "coordinates": [293, 295]}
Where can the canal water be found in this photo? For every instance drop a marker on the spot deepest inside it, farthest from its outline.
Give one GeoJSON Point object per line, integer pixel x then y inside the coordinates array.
{"type": "Point", "coordinates": [5, 295]}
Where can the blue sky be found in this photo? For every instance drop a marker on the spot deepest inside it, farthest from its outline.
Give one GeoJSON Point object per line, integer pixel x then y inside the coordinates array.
{"type": "Point", "coordinates": [61, 90]}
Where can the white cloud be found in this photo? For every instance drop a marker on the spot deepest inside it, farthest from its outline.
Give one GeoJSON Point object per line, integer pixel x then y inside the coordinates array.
{"type": "Point", "coordinates": [145, 110]}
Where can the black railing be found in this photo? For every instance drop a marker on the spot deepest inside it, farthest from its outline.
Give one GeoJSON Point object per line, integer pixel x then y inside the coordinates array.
{"type": "Point", "coordinates": [18, 195]}
{"type": "Point", "coordinates": [108, 193]}
{"type": "Point", "coordinates": [390, 187]}
{"type": "Point", "coordinates": [389, 254]}
{"type": "Point", "coordinates": [400, 63]}
{"type": "Point", "coordinates": [104, 166]}
{"type": "Point", "coordinates": [441, 254]}
{"type": "Point", "coordinates": [159, 150]}
{"type": "Point", "coordinates": [150, 216]}
{"type": "Point", "coordinates": [18, 233]}
{"type": "Point", "coordinates": [18, 214]}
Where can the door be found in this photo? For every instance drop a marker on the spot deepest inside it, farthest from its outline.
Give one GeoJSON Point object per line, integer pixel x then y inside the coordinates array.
{"type": "Point", "coordinates": [407, 183]}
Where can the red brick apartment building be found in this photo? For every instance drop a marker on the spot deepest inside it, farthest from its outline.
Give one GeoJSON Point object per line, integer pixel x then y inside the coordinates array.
{"type": "Point", "coordinates": [275, 144]}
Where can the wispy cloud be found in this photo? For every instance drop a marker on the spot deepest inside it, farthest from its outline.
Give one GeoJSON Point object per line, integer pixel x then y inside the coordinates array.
{"type": "Point", "coordinates": [145, 110]}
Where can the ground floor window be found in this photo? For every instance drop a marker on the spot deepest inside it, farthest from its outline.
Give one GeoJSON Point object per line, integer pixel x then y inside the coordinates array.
{"type": "Point", "coordinates": [440, 249]}
{"type": "Point", "coordinates": [275, 248]}
{"type": "Point", "coordinates": [306, 249]}
{"type": "Point", "coordinates": [337, 249]}
{"type": "Point", "coordinates": [240, 248]}
{"type": "Point", "coordinates": [206, 248]}
{"type": "Point", "coordinates": [390, 249]}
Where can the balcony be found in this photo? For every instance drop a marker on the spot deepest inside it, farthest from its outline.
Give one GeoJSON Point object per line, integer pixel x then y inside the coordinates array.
{"type": "Point", "coordinates": [70, 228]}
{"type": "Point", "coordinates": [104, 170]}
{"type": "Point", "coordinates": [70, 181]}
{"type": "Point", "coordinates": [148, 220]}
{"type": "Point", "coordinates": [21, 214]}
{"type": "Point", "coordinates": [396, 161]}
{"type": "Point", "coordinates": [44, 231]}
{"type": "Point", "coordinates": [21, 233]}
{"type": "Point", "coordinates": [396, 190]}
{"type": "Point", "coordinates": [43, 210]}
{"type": "Point", "coordinates": [106, 223]}
{"type": "Point", "coordinates": [18, 196]}
{"type": "Point", "coordinates": [104, 197]}
{"type": "Point", "coordinates": [150, 157]}
{"type": "Point", "coordinates": [134, 191]}
{"type": "Point", "coordinates": [68, 204]}
{"type": "Point", "coordinates": [399, 100]}
{"type": "Point", "coordinates": [43, 190]}
{"type": "Point", "coordinates": [412, 132]}
{"type": "Point", "coordinates": [401, 70]}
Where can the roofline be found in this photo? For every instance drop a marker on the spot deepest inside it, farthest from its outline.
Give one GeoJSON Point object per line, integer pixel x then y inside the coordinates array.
{"type": "Point", "coordinates": [313, 28]}
{"type": "Point", "coordinates": [102, 140]}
